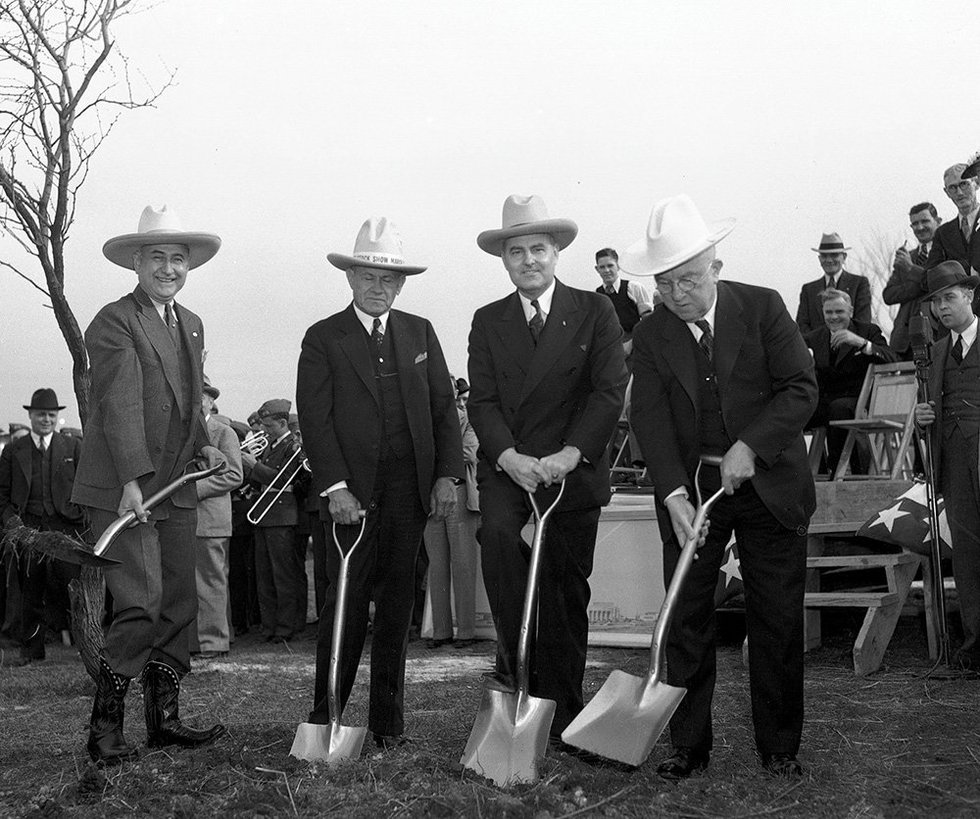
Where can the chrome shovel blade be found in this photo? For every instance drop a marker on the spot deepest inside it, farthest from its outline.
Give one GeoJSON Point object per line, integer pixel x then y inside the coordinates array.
{"type": "Point", "coordinates": [327, 743]}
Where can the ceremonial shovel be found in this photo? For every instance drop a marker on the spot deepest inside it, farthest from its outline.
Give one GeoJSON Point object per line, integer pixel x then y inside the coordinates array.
{"type": "Point", "coordinates": [510, 733]}
{"type": "Point", "coordinates": [626, 717]}
{"type": "Point", "coordinates": [333, 742]}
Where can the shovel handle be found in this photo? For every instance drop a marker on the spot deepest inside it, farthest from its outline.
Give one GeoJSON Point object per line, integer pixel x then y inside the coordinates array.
{"type": "Point", "coordinates": [339, 622]}
{"type": "Point", "coordinates": [114, 529]}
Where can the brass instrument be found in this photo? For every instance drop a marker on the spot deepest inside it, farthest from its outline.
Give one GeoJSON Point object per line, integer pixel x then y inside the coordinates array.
{"type": "Point", "coordinates": [254, 516]}
{"type": "Point", "coordinates": [255, 443]}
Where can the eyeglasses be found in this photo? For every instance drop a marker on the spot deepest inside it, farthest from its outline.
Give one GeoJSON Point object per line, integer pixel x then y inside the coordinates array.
{"type": "Point", "coordinates": [964, 185]}
{"type": "Point", "coordinates": [685, 284]}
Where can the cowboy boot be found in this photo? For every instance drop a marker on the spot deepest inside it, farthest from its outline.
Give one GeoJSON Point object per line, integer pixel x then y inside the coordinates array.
{"type": "Point", "coordinates": [161, 692]}
{"type": "Point", "coordinates": [106, 743]}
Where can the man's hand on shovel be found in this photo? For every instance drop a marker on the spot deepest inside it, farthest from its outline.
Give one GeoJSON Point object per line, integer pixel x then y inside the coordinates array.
{"type": "Point", "coordinates": [682, 519]}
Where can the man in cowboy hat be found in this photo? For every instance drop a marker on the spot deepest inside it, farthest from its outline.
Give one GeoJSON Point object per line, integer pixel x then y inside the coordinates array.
{"type": "Point", "coordinates": [724, 371]}
{"type": "Point", "coordinates": [832, 255]}
{"type": "Point", "coordinates": [36, 476]}
{"type": "Point", "coordinates": [380, 428]}
{"type": "Point", "coordinates": [952, 417]}
{"type": "Point", "coordinates": [145, 425]}
{"type": "Point", "coordinates": [212, 636]}
{"type": "Point", "coordinates": [547, 379]}
{"type": "Point", "coordinates": [958, 239]}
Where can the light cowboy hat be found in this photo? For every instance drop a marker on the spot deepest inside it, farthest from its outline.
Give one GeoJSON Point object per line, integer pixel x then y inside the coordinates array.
{"type": "Point", "coordinates": [830, 243]}
{"type": "Point", "coordinates": [161, 227]}
{"type": "Point", "coordinates": [948, 274]}
{"type": "Point", "coordinates": [377, 245]}
{"type": "Point", "coordinates": [676, 233]}
{"type": "Point", "coordinates": [523, 215]}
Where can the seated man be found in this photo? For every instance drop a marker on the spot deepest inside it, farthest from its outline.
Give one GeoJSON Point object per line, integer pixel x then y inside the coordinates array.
{"type": "Point", "coordinates": [842, 350]}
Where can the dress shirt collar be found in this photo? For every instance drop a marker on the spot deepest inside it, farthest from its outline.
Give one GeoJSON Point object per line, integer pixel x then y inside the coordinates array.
{"type": "Point", "coordinates": [160, 305]}
{"type": "Point", "coordinates": [368, 321]}
{"type": "Point", "coordinates": [47, 439]}
{"type": "Point", "coordinates": [544, 302]}
{"type": "Point", "coordinates": [971, 217]}
{"type": "Point", "coordinates": [969, 336]}
{"type": "Point", "coordinates": [709, 317]}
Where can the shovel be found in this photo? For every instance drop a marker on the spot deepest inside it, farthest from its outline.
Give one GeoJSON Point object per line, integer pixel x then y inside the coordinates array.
{"type": "Point", "coordinates": [510, 733]}
{"type": "Point", "coordinates": [120, 524]}
{"type": "Point", "coordinates": [333, 742]}
{"type": "Point", "coordinates": [624, 720]}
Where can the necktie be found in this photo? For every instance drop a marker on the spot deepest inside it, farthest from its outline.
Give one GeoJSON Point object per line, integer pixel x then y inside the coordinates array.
{"type": "Point", "coordinates": [168, 318]}
{"type": "Point", "coordinates": [377, 334]}
{"type": "Point", "coordinates": [957, 351]}
{"type": "Point", "coordinates": [610, 290]}
{"type": "Point", "coordinates": [707, 340]}
{"type": "Point", "coordinates": [831, 283]}
{"type": "Point", "coordinates": [965, 228]}
{"type": "Point", "coordinates": [536, 324]}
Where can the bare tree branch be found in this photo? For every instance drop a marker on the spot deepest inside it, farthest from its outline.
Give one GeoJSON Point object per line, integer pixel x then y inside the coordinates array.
{"type": "Point", "coordinates": [25, 277]}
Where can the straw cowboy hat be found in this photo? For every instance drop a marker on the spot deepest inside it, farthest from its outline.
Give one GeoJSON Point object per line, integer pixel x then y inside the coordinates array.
{"type": "Point", "coordinates": [946, 275]}
{"type": "Point", "coordinates": [523, 215]}
{"type": "Point", "coordinates": [676, 233]}
{"type": "Point", "coordinates": [830, 243]}
{"type": "Point", "coordinates": [44, 399]}
{"type": "Point", "coordinates": [379, 246]}
{"type": "Point", "coordinates": [161, 227]}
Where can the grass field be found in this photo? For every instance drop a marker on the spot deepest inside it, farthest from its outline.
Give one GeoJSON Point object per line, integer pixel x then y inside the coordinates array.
{"type": "Point", "coordinates": [895, 744]}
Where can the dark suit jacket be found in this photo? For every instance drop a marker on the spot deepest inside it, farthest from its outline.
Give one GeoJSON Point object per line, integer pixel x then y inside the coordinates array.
{"type": "Point", "coordinates": [15, 476]}
{"type": "Point", "coordinates": [767, 387]}
{"type": "Point", "coordinates": [809, 316]}
{"type": "Point", "coordinates": [948, 245]}
{"type": "Point", "coordinates": [841, 373]}
{"type": "Point", "coordinates": [140, 424]}
{"type": "Point", "coordinates": [566, 391]}
{"type": "Point", "coordinates": [907, 290]}
{"type": "Point", "coordinates": [940, 351]}
{"type": "Point", "coordinates": [340, 410]}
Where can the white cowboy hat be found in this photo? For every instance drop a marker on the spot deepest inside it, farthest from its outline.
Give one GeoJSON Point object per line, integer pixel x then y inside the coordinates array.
{"type": "Point", "coordinates": [161, 227]}
{"type": "Point", "coordinates": [377, 245]}
{"type": "Point", "coordinates": [830, 243]}
{"type": "Point", "coordinates": [676, 233]}
{"type": "Point", "coordinates": [524, 215]}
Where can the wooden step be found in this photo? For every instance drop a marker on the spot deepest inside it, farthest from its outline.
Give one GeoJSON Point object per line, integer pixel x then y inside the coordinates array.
{"type": "Point", "coordinates": [845, 599]}
{"type": "Point", "coordinates": [860, 561]}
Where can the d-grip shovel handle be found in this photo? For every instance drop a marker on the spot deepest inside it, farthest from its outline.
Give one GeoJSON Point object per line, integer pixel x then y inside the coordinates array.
{"type": "Point", "coordinates": [114, 529]}
{"type": "Point", "coordinates": [658, 645]}
{"type": "Point", "coordinates": [339, 618]}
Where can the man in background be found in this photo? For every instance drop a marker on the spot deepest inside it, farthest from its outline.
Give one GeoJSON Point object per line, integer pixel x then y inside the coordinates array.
{"type": "Point", "coordinates": [630, 298]}
{"type": "Point", "coordinates": [832, 255]}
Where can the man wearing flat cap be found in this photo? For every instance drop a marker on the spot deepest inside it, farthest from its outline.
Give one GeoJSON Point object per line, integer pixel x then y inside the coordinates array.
{"type": "Point", "coordinates": [145, 426]}
{"type": "Point", "coordinates": [381, 431]}
{"type": "Point", "coordinates": [547, 379]}
{"type": "Point", "coordinates": [723, 371]}
{"type": "Point", "coordinates": [36, 476]}
{"type": "Point", "coordinates": [952, 418]}
{"type": "Point", "coordinates": [832, 254]}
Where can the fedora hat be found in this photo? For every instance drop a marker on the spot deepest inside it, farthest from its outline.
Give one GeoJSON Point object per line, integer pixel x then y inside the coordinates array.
{"type": "Point", "coordinates": [161, 227]}
{"type": "Point", "coordinates": [523, 215]}
{"type": "Point", "coordinates": [972, 167]}
{"type": "Point", "coordinates": [946, 275]}
{"type": "Point", "coordinates": [209, 389]}
{"type": "Point", "coordinates": [676, 233]}
{"type": "Point", "coordinates": [377, 245]}
{"type": "Point", "coordinates": [44, 399]}
{"type": "Point", "coordinates": [830, 243]}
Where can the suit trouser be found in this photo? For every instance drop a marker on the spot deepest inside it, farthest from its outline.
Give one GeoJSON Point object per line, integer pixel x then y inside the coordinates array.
{"type": "Point", "coordinates": [212, 594]}
{"type": "Point", "coordinates": [558, 650]}
{"type": "Point", "coordinates": [773, 565]}
{"type": "Point", "coordinates": [961, 492]}
{"type": "Point", "coordinates": [383, 567]}
{"type": "Point", "coordinates": [154, 594]}
{"type": "Point", "coordinates": [242, 591]}
{"type": "Point", "coordinates": [44, 584]}
{"type": "Point", "coordinates": [279, 578]}
{"type": "Point", "coordinates": [319, 537]}
{"type": "Point", "coordinates": [453, 555]}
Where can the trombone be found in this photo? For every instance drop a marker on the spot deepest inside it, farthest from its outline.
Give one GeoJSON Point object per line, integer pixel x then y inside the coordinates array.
{"type": "Point", "coordinates": [254, 516]}
{"type": "Point", "coordinates": [255, 443]}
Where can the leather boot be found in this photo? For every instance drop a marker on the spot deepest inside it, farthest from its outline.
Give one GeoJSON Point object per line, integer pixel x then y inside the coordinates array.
{"type": "Point", "coordinates": [106, 743]}
{"type": "Point", "coordinates": [161, 692]}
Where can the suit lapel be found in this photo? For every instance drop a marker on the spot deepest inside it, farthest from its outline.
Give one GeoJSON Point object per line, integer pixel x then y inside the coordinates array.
{"type": "Point", "coordinates": [679, 352]}
{"type": "Point", "coordinates": [559, 330]}
{"type": "Point", "coordinates": [729, 335]}
{"type": "Point", "coordinates": [190, 329]}
{"type": "Point", "coordinates": [159, 337]}
{"type": "Point", "coordinates": [406, 347]}
{"type": "Point", "coordinates": [355, 344]}
{"type": "Point", "coordinates": [24, 458]}
{"type": "Point", "coordinates": [511, 329]}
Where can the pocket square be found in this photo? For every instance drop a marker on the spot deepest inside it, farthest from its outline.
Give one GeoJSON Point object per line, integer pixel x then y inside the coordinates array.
{"type": "Point", "coordinates": [421, 357]}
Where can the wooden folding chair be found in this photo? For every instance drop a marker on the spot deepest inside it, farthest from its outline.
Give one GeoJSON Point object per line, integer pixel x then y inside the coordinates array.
{"type": "Point", "coordinates": [885, 419]}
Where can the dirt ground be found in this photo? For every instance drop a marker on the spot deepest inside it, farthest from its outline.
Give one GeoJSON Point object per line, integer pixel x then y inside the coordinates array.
{"type": "Point", "coordinates": [899, 743]}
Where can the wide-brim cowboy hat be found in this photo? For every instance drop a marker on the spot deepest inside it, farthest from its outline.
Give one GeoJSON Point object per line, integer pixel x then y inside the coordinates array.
{"type": "Point", "coordinates": [379, 246]}
{"type": "Point", "coordinates": [676, 233]}
{"type": "Point", "coordinates": [830, 243]}
{"type": "Point", "coordinates": [522, 216]}
{"type": "Point", "coordinates": [44, 399]}
{"type": "Point", "coordinates": [161, 227]}
{"type": "Point", "coordinates": [946, 275]}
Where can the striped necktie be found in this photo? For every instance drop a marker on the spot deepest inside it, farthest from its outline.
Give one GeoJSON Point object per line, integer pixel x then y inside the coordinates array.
{"type": "Point", "coordinates": [706, 342]}
{"type": "Point", "coordinates": [536, 324]}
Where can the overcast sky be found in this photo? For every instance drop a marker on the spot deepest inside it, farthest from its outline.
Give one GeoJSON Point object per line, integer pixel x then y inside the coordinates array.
{"type": "Point", "coordinates": [290, 123]}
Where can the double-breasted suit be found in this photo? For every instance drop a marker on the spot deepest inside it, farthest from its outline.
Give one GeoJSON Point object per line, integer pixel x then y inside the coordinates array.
{"type": "Point", "coordinates": [145, 424]}
{"type": "Point", "coordinates": [354, 401]}
{"type": "Point", "coordinates": [949, 245]}
{"type": "Point", "coordinates": [566, 390]}
{"type": "Point", "coordinates": [761, 377]}
{"type": "Point", "coordinates": [15, 477]}
{"type": "Point", "coordinates": [809, 315]}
